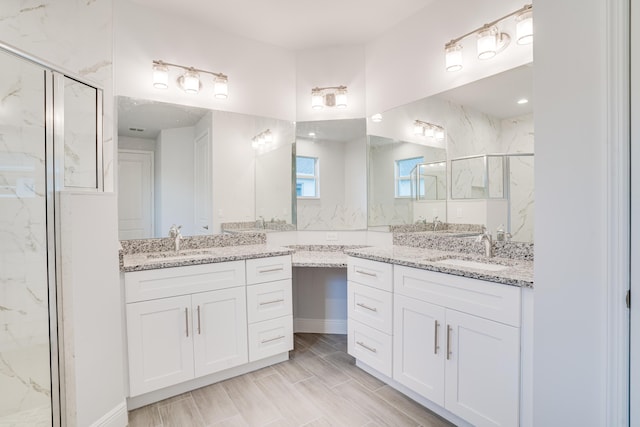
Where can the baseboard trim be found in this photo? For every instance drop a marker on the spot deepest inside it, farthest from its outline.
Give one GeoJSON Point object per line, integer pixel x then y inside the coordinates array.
{"type": "Point", "coordinates": [320, 326]}
{"type": "Point", "coordinates": [117, 417]}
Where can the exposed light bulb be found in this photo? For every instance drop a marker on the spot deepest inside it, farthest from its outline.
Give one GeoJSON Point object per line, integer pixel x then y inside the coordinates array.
{"type": "Point", "coordinates": [429, 132]}
{"type": "Point", "coordinates": [439, 134]}
{"type": "Point", "coordinates": [523, 101]}
{"type": "Point", "coordinates": [418, 129]}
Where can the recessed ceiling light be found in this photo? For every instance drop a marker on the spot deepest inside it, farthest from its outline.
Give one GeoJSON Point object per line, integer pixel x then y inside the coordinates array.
{"type": "Point", "coordinates": [523, 101]}
{"type": "Point", "coordinates": [312, 134]}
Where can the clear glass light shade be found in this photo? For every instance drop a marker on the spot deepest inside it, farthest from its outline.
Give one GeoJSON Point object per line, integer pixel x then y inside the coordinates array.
{"type": "Point", "coordinates": [524, 28]}
{"type": "Point", "coordinates": [160, 76]}
{"type": "Point", "coordinates": [341, 98]}
{"type": "Point", "coordinates": [377, 118]}
{"type": "Point", "coordinates": [429, 132]}
{"type": "Point", "coordinates": [487, 43]}
{"type": "Point", "coordinates": [418, 129]}
{"type": "Point", "coordinates": [191, 81]}
{"type": "Point", "coordinates": [316, 100]}
{"type": "Point", "coordinates": [453, 57]}
{"type": "Point", "coordinates": [220, 87]}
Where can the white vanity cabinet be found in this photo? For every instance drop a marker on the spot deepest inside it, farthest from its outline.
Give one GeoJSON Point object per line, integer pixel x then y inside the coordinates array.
{"type": "Point", "coordinates": [269, 306]}
{"type": "Point", "coordinates": [184, 323]}
{"type": "Point", "coordinates": [369, 313]}
{"type": "Point", "coordinates": [457, 343]}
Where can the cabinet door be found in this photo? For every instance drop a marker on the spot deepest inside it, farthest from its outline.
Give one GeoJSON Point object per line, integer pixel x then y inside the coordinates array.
{"type": "Point", "coordinates": [482, 372]}
{"type": "Point", "coordinates": [220, 330]}
{"type": "Point", "coordinates": [160, 346]}
{"type": "Point", "coordinates": [418, 347]}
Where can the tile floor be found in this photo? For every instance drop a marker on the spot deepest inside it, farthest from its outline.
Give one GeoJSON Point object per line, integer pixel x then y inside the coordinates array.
{"type": "Point", "coordinates": [319, 386]}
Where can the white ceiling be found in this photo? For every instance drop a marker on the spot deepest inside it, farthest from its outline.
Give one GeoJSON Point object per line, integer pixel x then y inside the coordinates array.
{"type": "Point", "coordinates": [296, 24]}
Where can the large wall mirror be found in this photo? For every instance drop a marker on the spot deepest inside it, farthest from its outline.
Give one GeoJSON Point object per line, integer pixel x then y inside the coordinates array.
{"type": "Point", "coordinates": [331, 175]}
{"type": "Point", "coordinates": [200, 169]}
{"type": "Point", "coordinates": [477, 141]}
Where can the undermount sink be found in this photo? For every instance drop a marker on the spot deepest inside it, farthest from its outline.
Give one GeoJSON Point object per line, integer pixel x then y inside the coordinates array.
{"type": "Point", "coordinates": [472, 264]}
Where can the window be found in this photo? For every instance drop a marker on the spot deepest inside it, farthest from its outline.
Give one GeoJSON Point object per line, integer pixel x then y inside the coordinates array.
{"type": "Point", "coordinates": [307, 177]}
{"type": "Point", "coordinates": [403, 175]}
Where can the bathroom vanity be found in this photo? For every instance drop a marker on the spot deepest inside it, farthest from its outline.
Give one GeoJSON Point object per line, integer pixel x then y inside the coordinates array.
{"type": "Point", "coordinates": [203, 315]}
{"type": "Point", "coordinates": [444, 328]}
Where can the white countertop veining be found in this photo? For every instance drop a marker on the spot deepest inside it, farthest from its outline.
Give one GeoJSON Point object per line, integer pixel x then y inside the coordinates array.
{"type": "Point", "coordinates": [166, 259]}
{"type": "Point", "coordinates": [515, 272]}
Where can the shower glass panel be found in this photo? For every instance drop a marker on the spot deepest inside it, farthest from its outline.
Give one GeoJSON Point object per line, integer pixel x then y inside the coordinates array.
{"type": "Point", "coordinates": [80, 135]}
{"type": "Point", "coordinates": [25, 370]}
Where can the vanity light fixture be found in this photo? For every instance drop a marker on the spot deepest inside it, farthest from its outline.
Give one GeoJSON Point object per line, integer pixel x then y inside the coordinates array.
{"type": "Point", "coordinates": [189, 80]}
{"type": "Point", "coordinates": [490, 40]}
{"type": "Point", "coordinates": [427, 129]}
{"type": "Point", "coordinates": [330, 96]}
{"type": "Point", "coordinates": [262, 139]}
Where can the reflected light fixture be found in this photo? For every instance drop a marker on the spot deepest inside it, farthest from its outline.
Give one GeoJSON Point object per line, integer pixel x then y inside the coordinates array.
{"type": "Point", "coordinates": [490, 40]}
{"type": "Point", "coordinates": [376, 118]}
{"type": "Point", "coordinates": [189, 80]}
{"type": "Point", "coordinates": [523, 101]}
{"type": "Point", "coordinates": [262, 140]}
{"type": "Point", "coordinates": [427, 129]}
{"type": "Point", "coordinates": [330, 96]}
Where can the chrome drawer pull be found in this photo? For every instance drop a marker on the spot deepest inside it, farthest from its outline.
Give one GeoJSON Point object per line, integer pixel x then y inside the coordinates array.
{"type": "Point", "coordinates": [270, 270]}
{"type": "Point", "coordinates": [366, 273]}
{"type": "Point", "coordinates": [272, 302]}
{"type": "Point", "coordinates": [371, 349]}
{"type": "Point", "coordinates": [186, 320]}
{"type": "Point", "coordinates": [435, 338]}
{"type": "Point", "coordinates": [448, 341]}
{"type": "Point", "coordinates": [272, 339]}
{"type": "Point", "coordinates": [367, 307]}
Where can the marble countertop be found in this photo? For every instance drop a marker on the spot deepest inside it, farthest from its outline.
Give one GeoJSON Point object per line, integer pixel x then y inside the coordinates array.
{"type": "Point", "coordinates": [516, 273]}
{"type": "Point", "coordinates": [166, 259]}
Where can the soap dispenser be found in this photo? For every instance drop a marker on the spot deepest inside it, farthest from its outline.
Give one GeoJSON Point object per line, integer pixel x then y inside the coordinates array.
{"type": "Point", "coordinates": [500, 233]}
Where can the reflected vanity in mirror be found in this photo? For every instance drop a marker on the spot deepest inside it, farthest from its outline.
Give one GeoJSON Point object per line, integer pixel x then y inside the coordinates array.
{"type": "Point", "coordinates": [488, 145]}
{"type": "Point", "coordinates": [331, 175]}
{"type": "Point", "coordinates": [200, 168]}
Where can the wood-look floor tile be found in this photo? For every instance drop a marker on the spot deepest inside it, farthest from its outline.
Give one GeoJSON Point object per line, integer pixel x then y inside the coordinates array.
{"type": "Point", "coordinates": [235, 421]}
{"type": "Point", "coordinates": [147, 416]}
{"type": "Point", "coordinates": [252, 403]}
{"type": "Point", "coordinates": [174, 399]}
{"type": "Point", "coordinates": [262, 372]}
{"type": "Point", "coordinates": [348, 365]}
{"type": "Point", "coordinates": [214, 403]}
{"type": "Point", "coordinates": [181, 413]}
{"type": "Point", "coordinates": [320, 422]}
{"type": "Point", "coordinates": [376, 408]}
{"type": "Point", "coordinates": [292, 371]}
{"type": "Point", "coordinates": [326, 372]}
{"type": "Point", "coordinates": [316, 345]}
{"type": "Point", "coordinates": [282, 423]}
{"type": "Point", "coordinates": [292, 404]}
{"type": "Point", "coordinates": [336, 410]}
{"type": "Point", "coordinates": [416, 411]}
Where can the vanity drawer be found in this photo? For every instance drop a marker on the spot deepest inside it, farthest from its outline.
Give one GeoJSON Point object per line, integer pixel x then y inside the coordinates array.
{"type": "Point", "coordinates": [260, 270]}
{"type": "Point", "coordinates": [269, 300]}
{"type": "Point", "coordinates": [493, 301]}
{"type": "Point", "coordinates": [270, 337]}
{"type": "Point", "coordinates": [370, 346]}
{"type": "Point", "coordinates": [371, 273]}
{"type": "Point", "coordinates": [370, 306]}
{"type": "Point", "coordinates": [168, 282]}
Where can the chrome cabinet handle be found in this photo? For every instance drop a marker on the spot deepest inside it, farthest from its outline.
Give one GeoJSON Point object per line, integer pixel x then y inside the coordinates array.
{"type": "Point", "coordinates": [199, 325]}
{"type": "Point", "coordinates": [272, 339]}
{"type": "Point", "coordinates": [271, 270]}
{"type": "Point", "coordinates": [367, 307]}
{"type": "Point", "coordinates": [186, 320]}
{"type": "Point", "coordinates": [272, 302]}
{"type": "Point", "coordinates": [366, 273]}
{"type": "Point", "coordinates": [435, 338]}
{"type": "Point", "coordinates": [363, 345]}
{"type": "Point", "coordinates": [449, 328]}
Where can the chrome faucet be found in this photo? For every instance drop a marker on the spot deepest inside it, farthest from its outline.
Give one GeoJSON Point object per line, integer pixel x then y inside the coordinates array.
{"type": "Point", "coordinates": [436, 223]}
{"type": "Point", "coordinates": [488, 243]}
{"type": "Point", "coordinates": [174, 233]}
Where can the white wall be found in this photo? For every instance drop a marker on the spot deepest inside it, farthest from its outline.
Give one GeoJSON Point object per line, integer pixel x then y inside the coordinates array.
{"type": "Point", "coordinates": [326, 67]}
{"type": "Point", "coordinates": [407, 62]}
{"type": "Point", "coordinates": [570, 314]}
{"type": "Point", "coordinates": [261, 76]}
{"type": "Point", "coordinates": [142, 144]}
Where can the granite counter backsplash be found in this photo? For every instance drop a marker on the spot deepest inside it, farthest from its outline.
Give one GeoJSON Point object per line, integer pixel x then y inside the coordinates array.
{"type": "Point", "coordinates": [464, 245]}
